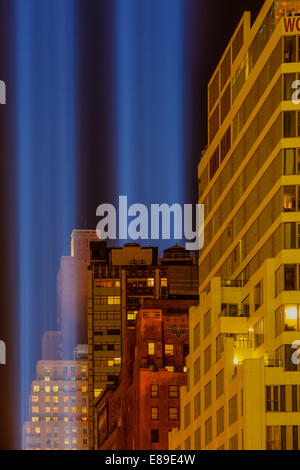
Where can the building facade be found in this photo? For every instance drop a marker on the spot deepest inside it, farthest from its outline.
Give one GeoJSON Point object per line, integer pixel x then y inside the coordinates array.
{"type": "Point", "coordinates": [139, 414]}
{"type": "Point", "coordinates": [120, 279]}
{"type": "Point", "coordinates": [72, 292]}
{"type": "Point", "coordinates": [58, 407]}
{"type": "Point", "coordinates": [243, 377]}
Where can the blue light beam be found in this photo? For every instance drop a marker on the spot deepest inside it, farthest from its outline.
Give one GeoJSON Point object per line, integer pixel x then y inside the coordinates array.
{"type": "Point", "coordinates": [150, 94]}
{"type": "Point", "coordinates": [45, 67]}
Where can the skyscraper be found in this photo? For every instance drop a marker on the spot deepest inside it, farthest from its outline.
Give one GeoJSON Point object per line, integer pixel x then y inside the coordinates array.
{"type": "Point", "coordinates": [243, 378]}
{"type": "Point", "coordinates": [120, 279]}
{"type": "Point", "coordinates": [72, 291]}
{"type": "Point", "coordinates": [58, 408]}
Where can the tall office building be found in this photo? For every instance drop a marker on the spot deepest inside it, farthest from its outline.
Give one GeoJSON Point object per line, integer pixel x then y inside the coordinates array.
{"type": "Point", "coordinates": [58, 408]}
{"type": "Point", "coordinates": [243, 390]}
{"type": "Point", "coordinates": [120, 279]}
{"type": "Point", "coordinates": [72, 292]}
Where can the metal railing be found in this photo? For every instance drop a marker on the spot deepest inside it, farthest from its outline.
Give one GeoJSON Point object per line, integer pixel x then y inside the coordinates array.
{"type": "Point", "coordinates": [273, 363]}
{"type": "Point", "coordinates": [234, 314]}
{"type": "Point", "coordinates": [232, 283]}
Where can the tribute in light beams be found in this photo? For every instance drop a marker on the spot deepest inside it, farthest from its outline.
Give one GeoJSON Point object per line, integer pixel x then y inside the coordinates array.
{"type": "Point", "coordinates": [46, 154]}
{"type": "Point", "coordinates": [149, 74]}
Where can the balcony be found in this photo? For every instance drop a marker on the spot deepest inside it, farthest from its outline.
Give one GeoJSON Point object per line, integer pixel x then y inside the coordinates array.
{"type": "Point", "coordinates": [234, 314]}
{"type": "Point", "coordinates": [232, 283]}
{"type": "Point", "coordinates": [243, 344]}
{"type": "Point", "coordinates": [273, 363]}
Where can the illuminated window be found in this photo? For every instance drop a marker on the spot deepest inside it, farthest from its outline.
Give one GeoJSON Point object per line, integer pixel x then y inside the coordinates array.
{"type": "Point", "coordinates": [291, 318]}
{"type": "Point", "coordinates": [55, 388]}
{"type": "Point", "coordinates": [35, 398]}
{"type": "Point", "coordinates": [169, 349]}
{"type": "Point", "coordinates": [47, 419]}
{"type": "Point", "coordinates": [173, 414]}
{"type": "Point", "coordinates": [55, 399]}
{"type": "Point", "coordinates": [131, 316]}
{"type": "Point", "coordinates": [47, 399]}
{"type": "Point", "coordinates": [84, 388]}
{"type": "Point", "coordinates": [84, 410]}
{"type": "Point", "coordinates": [150, 282]}
{"type": "Point", "coordinates": [35, 419]}
{"type": "Point", "coordinates": [173, 391]}
{"type": "Point", "coordinates": [73, 409]}
{"type": "Point", "coordinates": [164, 282]}
{"type": "Point", "coordinates": [151, 349]}
{"type": "Point", "coordinates": [113, 300]}
{"type": "Point", "coordinates": [47, 378]}
{"type": "Point", "coordinates": [47, 409]}
{"type": "Point", "coordinates": [97, 392]}
{"type": "Point", "coordinates": [35, 409]}
{"type": "Point", "coordinates": [37, 430]}
{"type": "Point", "coordinates": [36, 388]}
{"type": "Point", "coordinates": [117, 361]}
{"type": "Point", "coordinates": [47, 389]}
{"type": "Point", "coordinates": [66, 409]}
{"type": "Point", "coordinates": [55, 409]}
{"type": "Point", "coordinates": [154, 391]}
{"type": "Point", "coordinates": [66, 399]}
{"type": "Point", "coordinates": [110, 362]}
{"type": "Point", "coordinates": [66, 420]}
{"type": "Point", "coordinates": [170, 368]}
{"type": "Point", "coordinates": [154, 413]}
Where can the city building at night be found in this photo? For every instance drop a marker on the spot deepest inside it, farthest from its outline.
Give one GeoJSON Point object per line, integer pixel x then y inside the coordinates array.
{"type": "Point", "coordinates": [120, 279]}
{"type": "Point", "coordinates": [140, 412]}
{"type": "Point", "coordinates": [58, 407]}
{"type": "Point", "coordinates": [72, 292]}
{"type": "Point", "coordinates": [243, 379]}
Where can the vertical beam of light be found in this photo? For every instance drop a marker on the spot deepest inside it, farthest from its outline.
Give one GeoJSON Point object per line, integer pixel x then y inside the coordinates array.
{"type": "Point", "coordinates": [45, 67]}
{"type": "Point", "coordinates": [150, 90]}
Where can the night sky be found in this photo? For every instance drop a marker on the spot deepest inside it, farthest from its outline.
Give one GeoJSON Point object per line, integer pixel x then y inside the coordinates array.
{"type": "Point", "coordinates": [208, 25]}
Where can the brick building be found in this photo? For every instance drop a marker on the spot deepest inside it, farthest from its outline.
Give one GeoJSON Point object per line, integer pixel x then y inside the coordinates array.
{"type": "Point", "coordinates": [146, 404]}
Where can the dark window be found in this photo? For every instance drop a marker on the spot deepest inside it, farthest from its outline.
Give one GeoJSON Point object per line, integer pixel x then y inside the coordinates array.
{"type": "Point", "coordinates": [295, 437]}
{"type": "Point", "coordinates": [214, 163]}
{"type": "Point", "coordinates": [282, 398]}
{"type": "Point", "coordinates": [294, 398]}
{"type": "Point", "coordinates": [289, 124]}
{"type": "Point", "coordinates": [275, 399]}
{"type": "Point", "coordinates": [225, 144]}
{"type": "Point", "coordinates": [154, 436]}
{"type": "Point", "coordinates": [290, 49]}
{"type": "Point", "coordinates": [283, 438]}
{"type": "Point", "coordinates": [288, 353]}
{"type": "Point", "coordinates": [186, 350]}
{"type": "Point", "coordinates": [268, 399]}
{"type": "Point", "coordinates": [290, 277]}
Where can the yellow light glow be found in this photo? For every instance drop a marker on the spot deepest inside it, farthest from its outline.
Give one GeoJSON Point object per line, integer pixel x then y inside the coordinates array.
{"type": "Point", "coordinates": [291, 312]}
{"type": "Point", "coordinates": [235, 361]}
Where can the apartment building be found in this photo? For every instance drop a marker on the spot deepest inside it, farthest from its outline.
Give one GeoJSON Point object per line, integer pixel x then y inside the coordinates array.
{"type": "Point", "coordinates": [243, 376]}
